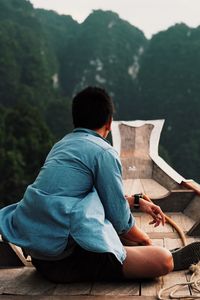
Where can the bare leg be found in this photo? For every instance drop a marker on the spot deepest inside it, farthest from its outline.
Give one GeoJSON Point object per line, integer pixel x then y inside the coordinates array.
{"type": "Point", "coordinates": [147, 262]}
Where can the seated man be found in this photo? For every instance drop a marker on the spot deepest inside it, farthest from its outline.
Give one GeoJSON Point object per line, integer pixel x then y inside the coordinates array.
{"type": "Point", "coordinates": [72, 217]}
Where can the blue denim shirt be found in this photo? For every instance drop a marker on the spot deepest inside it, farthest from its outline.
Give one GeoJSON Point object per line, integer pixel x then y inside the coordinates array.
{"type": "Point", "coordinates": [78, 192]}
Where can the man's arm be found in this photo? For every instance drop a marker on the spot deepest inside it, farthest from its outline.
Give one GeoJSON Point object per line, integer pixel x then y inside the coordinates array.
{"type": "Point", "coordinates": [147, 206]}
{"type": "Point", "coordinates": [136, 236]}
{"type": "Point", "coordinates": [108, 183]}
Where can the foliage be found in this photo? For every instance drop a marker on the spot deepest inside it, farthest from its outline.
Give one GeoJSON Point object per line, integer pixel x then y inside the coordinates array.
{"type": "Point", "coordinates": [169, 89]}
{"type": "Point", "coordinates": [45, 58]}
{"type": "Point", "coordinates": [59, 118]}
{"type": "Point", "coordinates": [25, 142]}
{"type": "Point", "coordinates": [104, 52]}
{"type": "Point", "coordinates": [25, 62]}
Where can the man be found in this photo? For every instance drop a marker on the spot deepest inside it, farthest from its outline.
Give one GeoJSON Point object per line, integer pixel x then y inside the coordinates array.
{"type": "Point", "coordinates": [72, 217]}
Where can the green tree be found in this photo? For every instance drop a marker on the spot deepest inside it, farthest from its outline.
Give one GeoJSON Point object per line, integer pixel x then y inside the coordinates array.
{"type": "Point", "coordinates": [169, 89]}
{"type": "Point", "coordinates": [26, 143]}
{"type": "Point", "coordinates": [59, 117]}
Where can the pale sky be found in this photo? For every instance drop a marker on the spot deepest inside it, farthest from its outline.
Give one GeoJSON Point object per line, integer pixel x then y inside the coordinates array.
{"type": "Point", "coordinates": [150, 16]}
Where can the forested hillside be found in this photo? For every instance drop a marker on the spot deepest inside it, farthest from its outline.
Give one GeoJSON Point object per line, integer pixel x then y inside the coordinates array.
{"type": "Point", "coordinates": [170, 89]}
{"type": "Point", "coordinates": [45, 58]}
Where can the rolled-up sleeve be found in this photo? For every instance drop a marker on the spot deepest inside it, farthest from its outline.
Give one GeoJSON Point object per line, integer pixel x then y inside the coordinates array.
{"type": "Point", "coordinates": [108, 182]}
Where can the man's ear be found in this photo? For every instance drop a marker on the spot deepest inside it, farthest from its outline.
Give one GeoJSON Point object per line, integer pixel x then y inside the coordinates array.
{"type": "Point", "coordinates": [108, 124]}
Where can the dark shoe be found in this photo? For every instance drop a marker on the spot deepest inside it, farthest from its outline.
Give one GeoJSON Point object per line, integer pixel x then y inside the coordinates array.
{"type": "Point", "coordinates": [186, 256]}
{"type": "Point", "coordinates": [175, 249]}
{"type": "Point", "coordinates": [8, 257]}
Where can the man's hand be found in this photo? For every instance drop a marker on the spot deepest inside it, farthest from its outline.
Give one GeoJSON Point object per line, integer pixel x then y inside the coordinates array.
{"type": "Point", "coordinates": [135, 237]}
{"type": "Point", "coordinates": [153, 210]}
{"type": "Point", "coordinates": [150, 208]}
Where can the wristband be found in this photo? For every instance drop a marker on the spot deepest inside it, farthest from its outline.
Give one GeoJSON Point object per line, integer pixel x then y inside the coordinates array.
{"type": "Point", "coordinates": [137, 200]}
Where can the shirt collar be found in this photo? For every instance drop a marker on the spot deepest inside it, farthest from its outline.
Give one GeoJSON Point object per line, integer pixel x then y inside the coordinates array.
{"type": "Point", "coordinates": [89, 131]}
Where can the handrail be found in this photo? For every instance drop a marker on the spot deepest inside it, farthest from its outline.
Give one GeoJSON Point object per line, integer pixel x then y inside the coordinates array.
{"type": "Point", "coordinates": [190, 185]}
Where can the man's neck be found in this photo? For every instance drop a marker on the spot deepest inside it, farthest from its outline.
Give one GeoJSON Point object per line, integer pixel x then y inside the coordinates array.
{"type": "Point", "coordinates": [102, 132]}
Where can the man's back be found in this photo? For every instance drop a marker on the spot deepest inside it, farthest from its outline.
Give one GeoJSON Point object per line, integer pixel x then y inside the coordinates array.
{"type": "Point", "coordinates": [66, 198]}
{"type": "Point", "coordinates": [70, 167]}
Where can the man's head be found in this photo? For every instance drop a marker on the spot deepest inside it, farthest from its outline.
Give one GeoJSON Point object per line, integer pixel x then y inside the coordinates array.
{"type": "Point", "coordinates": [92, 108]}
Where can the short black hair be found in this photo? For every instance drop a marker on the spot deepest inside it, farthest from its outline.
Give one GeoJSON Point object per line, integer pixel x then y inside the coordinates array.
{"type": "Point", "coordinates": [92, 108]}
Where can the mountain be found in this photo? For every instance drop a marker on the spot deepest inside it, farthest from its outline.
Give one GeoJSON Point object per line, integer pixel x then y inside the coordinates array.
{"type": "Point", "coordinates": [58, 31]}
{"type": "Point", "coordinates": [92, 53]}
{"type": "Point", "coordinates": [45, 58]}
{"type": "Point", "coordinates": [25, 61]}
{"type": "Point", "coordinates": [170, 89]}
{"type": "Point", "coordinates": [106, 51]}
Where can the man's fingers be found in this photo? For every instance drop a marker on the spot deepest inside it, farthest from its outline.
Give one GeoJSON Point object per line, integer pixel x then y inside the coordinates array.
{"type": "Point", "coordinates": [152, 209]}
{"type": "Point", "coordinates": [156, 222]}
{"type": "Point", "coordinates": [158, 212]}
{"type": "Point", "coordinates": [156, 219]}
{"type": "Point", "coordinates": [152, 222]}
{"type": "Point", "coordinates": [162, 216]}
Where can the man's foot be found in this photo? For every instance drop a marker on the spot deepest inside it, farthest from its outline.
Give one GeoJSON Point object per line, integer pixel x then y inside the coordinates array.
{"type": "Point", "coordinates": [175, 249]}
{"type": "Point", "coordinates": [186, 256]}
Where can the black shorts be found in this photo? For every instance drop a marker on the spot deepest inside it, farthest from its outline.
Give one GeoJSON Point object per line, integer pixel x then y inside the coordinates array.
{"type": "Point", "coordinates": [81, 265]}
